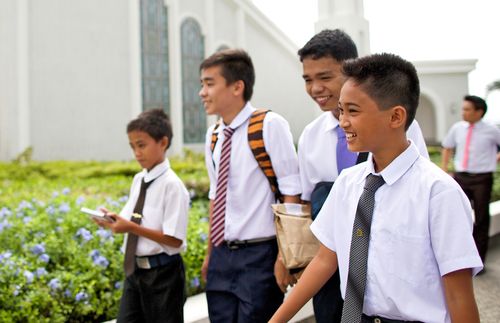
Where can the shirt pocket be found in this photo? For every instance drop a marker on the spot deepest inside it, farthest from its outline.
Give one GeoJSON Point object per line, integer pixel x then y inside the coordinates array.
{"type": "Point", "coordinates": [410, 258]}
{"type": "Point", "coordinates": [152, 218]}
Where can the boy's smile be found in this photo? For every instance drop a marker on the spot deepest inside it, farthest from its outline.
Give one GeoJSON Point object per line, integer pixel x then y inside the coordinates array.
{"type": "Point", "coordinates": [323, 78]}
{"type": "Point", "coordinates": [363, 122]}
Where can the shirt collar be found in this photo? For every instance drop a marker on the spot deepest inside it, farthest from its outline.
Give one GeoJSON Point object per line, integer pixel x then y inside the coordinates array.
{"type": "Point", "coordinates": [156, 172]}
{"type": "Point", "coordinates": [331, 122]}
{"type": "Point", "coordinates": [397, 168]}
{"type": "Point", "coordinates": [243, 116]}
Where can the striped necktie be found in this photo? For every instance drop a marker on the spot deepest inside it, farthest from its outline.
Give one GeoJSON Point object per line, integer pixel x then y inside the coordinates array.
{"type": "Point", "coordinates": [219, 209]}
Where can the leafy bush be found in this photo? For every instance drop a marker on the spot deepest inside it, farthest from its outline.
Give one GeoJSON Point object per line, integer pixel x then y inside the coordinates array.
{"type": "Point", "coordinates": [58, 266]}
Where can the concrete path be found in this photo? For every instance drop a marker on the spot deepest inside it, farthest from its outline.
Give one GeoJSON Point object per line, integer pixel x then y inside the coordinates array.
{"type": "Point", "coordinates": [487, 286]}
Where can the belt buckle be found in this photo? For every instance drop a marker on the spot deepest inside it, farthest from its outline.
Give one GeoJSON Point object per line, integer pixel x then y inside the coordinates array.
{"type": "Point", "coordinates": [232, 245]}
{"type": "Point", "coordinates": [143, 262]}
{"type": "Point", "coordinates": [377, 320]}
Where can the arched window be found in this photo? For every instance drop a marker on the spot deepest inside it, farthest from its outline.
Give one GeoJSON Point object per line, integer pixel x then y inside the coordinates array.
{"type": "Point", "coordinates": [154, 50]}
{"type": "Point", "coordinates": [193, 113]}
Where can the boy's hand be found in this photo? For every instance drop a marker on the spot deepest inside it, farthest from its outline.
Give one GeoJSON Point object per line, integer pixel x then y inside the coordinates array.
{"type": "Point", "coordinates": [204, 268]}
{"type": "Point", "coordinates": [283, 277]}
{"type": "Point", "coordinates": [119, 224]}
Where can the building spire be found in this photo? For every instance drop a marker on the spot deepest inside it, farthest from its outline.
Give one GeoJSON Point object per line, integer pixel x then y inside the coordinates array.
{"type": "Point", "coordinates": [347, 15]}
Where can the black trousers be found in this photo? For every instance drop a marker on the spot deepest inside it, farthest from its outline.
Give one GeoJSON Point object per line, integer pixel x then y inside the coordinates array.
{"type": "Point", "coordinates": [328, 302]}
{"type": "Point", "coordinates": [154, 295]}
{"type": "Point", "coordinates": [478, 189]}
{"type": "Point", "coordinates": [241, 286]}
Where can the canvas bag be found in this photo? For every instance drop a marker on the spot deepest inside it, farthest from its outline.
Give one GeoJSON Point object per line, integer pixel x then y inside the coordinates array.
{"type": "Point", "coordinates": [296, 242]}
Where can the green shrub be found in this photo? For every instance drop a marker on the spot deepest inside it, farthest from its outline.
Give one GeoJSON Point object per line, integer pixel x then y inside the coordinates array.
{"type": "Point", "coordinates": [58, 266]}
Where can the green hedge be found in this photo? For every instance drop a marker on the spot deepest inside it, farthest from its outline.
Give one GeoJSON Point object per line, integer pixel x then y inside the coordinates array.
{"type": "Point", "coordinates": [58, 266]}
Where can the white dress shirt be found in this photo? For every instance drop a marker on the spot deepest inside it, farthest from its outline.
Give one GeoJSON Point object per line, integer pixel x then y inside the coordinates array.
{"type": "Point", "coordinates": [421, 230]}
{"type": "Point", "coordinates": [249, 195]}
{"type": "Point", "coordinates": [482, 149]}
{"type": "Point", "coordinates": [165, 208]}
{"type": "Point", "coordinates": [317, 151]}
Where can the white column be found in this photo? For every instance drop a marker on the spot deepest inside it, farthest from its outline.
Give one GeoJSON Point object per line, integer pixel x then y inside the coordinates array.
{"type": "Point", "coordinates": [347, 15]}
{"type": "Point", "coordinates": [175, 63]}
{"type": "Point", "coordinates": [240, 28]}
{"type": "Point", "coordinates": [135, 58]}
{"type": "Point", "coordinates": [14, 79]}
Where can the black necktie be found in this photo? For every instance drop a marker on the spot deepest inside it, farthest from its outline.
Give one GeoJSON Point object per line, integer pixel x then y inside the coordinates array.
{"type": "Point", "coordinates": [131, 247]}
{"type": "Point", "coordinates": [358, 257]}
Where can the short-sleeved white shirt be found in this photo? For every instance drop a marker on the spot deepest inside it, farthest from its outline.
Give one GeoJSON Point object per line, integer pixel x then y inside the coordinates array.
{"type": "Point", "coordinates": [317, 151]}
{"type": "Point", "coordinates": [482, 150]}
{"type": "Point", "coordinates": [421, 230]}
{"type": "Point", "coordinates": [165, 208]}
{"type": "Point", "coordinates": [249, 196]}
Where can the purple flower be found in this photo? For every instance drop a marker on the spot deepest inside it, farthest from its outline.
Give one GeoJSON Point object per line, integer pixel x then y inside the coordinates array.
{"type": "Point", "coordinates": [203, 236]}
{"type": "Point", "coordinates": [84, 234]}
{"type": "Point", "coordinates": [5, 255]}
{"type": "Point", "coordinates": [54, 284]}
{"type": "Point", "coordinates": [41, 271]}
{"type": "Point", "coordinates": [44, 257]}
{"type": "Point", "coordinates": [66, 191]}
{"type": "Point", "coordinates": [55, 194]}
{"type": "Point", "coordinates": [195, 282]}
{"type": "Point", "coordinates": [118, 285]}
{"type": "Point", "coordinates": [25, 205]}
{"type": "Point", "coordinates": [80, 200]}
{"type": "Point", "coordinates": [27, 220]}
{"type": "Point", "coordinates": [4, 225]}
{"type": "Point", "coordinates": [5, 212]}
{"type": "Point", "coordinates": [17, 290]}
{"type": "Point", "coordinates": [50, 210]}
{"type": "Point", "coordinates": [101, 261]}
{"type": "Point", "coordinates": [38, 249]}
{"type": "Point", "coordinates": [68, 293]}
{"type": "Point", "coordinates": [64, 208]}
{"type": "Point", "coordinates": [123, 199]}
{"type": "Point", "coordinates": [104, 234]}
{"type": "Point", "coordinates": [81, 296]}
{"type": "Point", "coordinates": [29, 276]}
{"type": "Point", "coordinates": [94, 254]}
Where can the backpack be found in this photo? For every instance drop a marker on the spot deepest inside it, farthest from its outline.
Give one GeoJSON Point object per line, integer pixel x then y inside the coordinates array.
{"type": "Point", "coordinates": [256, 142]}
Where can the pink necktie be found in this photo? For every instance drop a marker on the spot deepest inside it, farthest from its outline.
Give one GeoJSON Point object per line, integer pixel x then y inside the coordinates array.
{"type": "Point", "coordinates": [465, 160]}
{"type": "Point", "coordinates": [219, 211]}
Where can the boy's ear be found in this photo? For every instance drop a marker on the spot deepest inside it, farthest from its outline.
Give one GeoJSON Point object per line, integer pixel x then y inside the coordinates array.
{"type": "Point", "coordinates": [239, 87]}
{"type": "Point", "coordinates": [164, 142]}
{"type": "Point", "coordinates": [398, 117]}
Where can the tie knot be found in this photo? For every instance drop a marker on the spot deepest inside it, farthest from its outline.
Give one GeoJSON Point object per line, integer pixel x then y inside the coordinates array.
{"type": "Point", "coordinates": [228, 132]}
{"type": "Point", "coordinates": [373, 182]}
{"type": "Point", "coordinates": [340, 132]}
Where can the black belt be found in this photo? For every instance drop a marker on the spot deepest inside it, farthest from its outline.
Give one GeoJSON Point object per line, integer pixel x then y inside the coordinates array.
{"type": "Point", "coordinates": [159, 260]}
{"type": "Point", "coordinates": [378, 319]}
{"type": "Point", "coordinates": [473, 174]}
{"type": "Point", "coordinates": [238, 244]}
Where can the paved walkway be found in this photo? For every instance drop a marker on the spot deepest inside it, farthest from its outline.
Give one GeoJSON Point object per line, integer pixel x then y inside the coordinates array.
{"type": "Point", "coordinates": [487, 286]}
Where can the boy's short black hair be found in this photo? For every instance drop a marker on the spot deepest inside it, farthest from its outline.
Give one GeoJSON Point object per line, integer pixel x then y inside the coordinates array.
{"type": "Point", "coordinates": [155, 123]}
{"type": "Point", "coordinates": [335, 43]}
{"type": "Point", "coordinates": [477, 102]}
{"type": "Point", "coordinates": [235, 65]}
{"type": "Point", "coordinates": [388, 79]}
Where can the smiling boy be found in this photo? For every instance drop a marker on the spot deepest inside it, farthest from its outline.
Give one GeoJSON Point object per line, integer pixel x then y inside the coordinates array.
{"type": "Point", "coordinates": [420, 252]}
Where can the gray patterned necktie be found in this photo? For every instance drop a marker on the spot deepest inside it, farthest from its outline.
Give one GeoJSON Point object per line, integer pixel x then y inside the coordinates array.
{"type": "Point", "coordinates": [358, 257]}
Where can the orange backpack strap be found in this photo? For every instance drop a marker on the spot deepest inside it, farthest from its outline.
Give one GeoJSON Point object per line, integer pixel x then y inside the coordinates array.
{"type": "Point", "coordinates": [214, 137]}
{"type": "Point", "coordinates": [256, 142]}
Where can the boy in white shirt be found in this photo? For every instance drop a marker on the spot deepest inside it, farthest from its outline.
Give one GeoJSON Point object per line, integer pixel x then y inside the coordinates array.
{"type": "Point", "coordinates": [420, 252]}
{"type": "Point", "coordinates": [156, 232]}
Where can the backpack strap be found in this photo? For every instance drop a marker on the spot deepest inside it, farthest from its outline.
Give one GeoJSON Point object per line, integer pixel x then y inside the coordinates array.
{"type": "Point", "coordinates": [256, 142]}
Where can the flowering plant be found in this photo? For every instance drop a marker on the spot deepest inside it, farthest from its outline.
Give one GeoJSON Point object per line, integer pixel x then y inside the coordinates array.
{"type": "Point", "coordinates": [56, 265]}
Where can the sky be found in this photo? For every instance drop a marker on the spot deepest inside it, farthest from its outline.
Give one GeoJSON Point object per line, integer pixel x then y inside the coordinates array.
{"type": "Point", "coordinates": [416, 30]}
